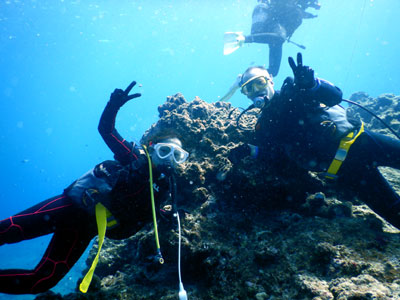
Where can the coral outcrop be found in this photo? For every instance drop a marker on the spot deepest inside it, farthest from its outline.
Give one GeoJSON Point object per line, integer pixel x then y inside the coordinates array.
{"type": "Point", "coordinates": [254, 231]}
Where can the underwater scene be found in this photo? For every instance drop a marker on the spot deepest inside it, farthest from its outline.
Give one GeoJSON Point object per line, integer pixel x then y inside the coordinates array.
{"type": "Point", "coordinates": [170, 130]}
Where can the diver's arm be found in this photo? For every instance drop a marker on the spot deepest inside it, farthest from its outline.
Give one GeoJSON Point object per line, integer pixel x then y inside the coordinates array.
{"type": "Point", "coordinates": [315, 90]}
{"type": "Point", "coordinates": [326, 93]}
{"type": "Point", "coordinates": [266, 152]}
{"type": "Point", "coordinates": [262, 147]}
{"type": "Point", "coordinates": [271, 154]}
{"type": "Point", "coordinates": [267, 145]}
{"type": "Point", "coordinates": [124, 151]}
{"type": "Point", "coordinates": [118, 145]}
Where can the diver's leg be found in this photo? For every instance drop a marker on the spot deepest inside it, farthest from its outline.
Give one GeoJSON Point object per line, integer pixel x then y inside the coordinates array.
{"type": "Point", "coordinates": [275, 56]}
{"type": "Point", "coordinates": [39, 220]}
{"type": "Point", "coordinates": [263, 38]}
{"type": "Point", "coordinates": [65, 248]}
{"type": "Point", "coordinates": [377, 193]}
{"type": "Point", "coordinates": [360, 173]}
{"type": "Point", "coordinates": [249, 39]}
{"type": "Point", "coordinates": [386, 150]}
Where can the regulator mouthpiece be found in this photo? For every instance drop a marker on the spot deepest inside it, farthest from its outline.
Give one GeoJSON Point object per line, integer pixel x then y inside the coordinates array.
{"type": "Point", "coordinates": [259, 101]}
{"type": "Point", "coordinates": [182, 293]}
{"type": "Point", "coordinates": [158, 257]}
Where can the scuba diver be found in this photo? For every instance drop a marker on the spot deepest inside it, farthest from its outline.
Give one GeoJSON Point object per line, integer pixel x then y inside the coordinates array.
{"type": "Point", "coordinates": [303, 122]}
{"type": "Point", "coordinates": [273, 23]}
{"type": "Point", "coordinates": [117, 194]}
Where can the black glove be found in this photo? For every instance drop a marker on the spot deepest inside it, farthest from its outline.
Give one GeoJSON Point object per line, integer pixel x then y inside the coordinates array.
{"type": "Point", "coordinates": [303, 75]}
{"type": "Point", "coordinates": [120, 97]}
{"type": "Point", "coordinates": [238, 153]}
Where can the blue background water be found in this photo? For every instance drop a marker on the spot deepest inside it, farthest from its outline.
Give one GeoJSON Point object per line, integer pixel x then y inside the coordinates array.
{"type": "Point", "coordinates": [60, 60]}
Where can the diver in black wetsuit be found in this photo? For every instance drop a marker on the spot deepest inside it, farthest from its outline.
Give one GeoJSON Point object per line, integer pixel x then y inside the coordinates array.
{"type": "Point", "coordinates": [120, 185]}
{"type": "Point", "coordinates": [303, 122]}
{"type": "Point", "coordinates": [274, 22]}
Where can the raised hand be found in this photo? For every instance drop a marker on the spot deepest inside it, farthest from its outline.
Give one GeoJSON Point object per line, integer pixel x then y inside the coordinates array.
{"type": "Point", "coordinates": [303, 75]}
{"type": "Point", "coordinates": [120, 97]}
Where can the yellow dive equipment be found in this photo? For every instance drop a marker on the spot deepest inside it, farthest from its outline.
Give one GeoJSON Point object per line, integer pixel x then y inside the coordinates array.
{"type": "Point", "coordinates": [341, 153]}
{"type": "Point", "coordinates": [153, 207]}
{"type": "Point", "coordinates": [102, 213]}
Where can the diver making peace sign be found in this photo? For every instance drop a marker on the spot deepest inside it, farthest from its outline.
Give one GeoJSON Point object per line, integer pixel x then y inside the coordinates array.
{"type": "Point", "coordinates": [115, 194]}
{"type": "Point", "coordinates": [303, 122]}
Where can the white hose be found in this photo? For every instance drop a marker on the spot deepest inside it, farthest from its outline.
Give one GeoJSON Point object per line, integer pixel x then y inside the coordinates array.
{"type": "Point", "coordinates": [182, 292]}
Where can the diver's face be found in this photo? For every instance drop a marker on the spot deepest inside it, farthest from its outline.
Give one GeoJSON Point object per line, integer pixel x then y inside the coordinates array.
{"type": "Point", "coordinates": [258, 89]}
{"type": "Point", "coordinates": [168, 153]}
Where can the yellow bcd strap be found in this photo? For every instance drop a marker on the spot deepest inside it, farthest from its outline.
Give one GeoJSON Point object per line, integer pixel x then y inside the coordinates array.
{"type": "Point", "coordinates": [101, 219]}
{"type": "Point", "coordinates": [103, 215]}
{"type": "Point", "coordinates": [341, 153]}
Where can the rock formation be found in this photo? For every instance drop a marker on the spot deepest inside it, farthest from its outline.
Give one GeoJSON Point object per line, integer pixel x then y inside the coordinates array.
{"type": "Point", "coordinates": [253, 231]}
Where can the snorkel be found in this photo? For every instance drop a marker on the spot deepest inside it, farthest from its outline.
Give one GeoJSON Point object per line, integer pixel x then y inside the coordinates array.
{"type": "Point", "coordinates": [165, 155]}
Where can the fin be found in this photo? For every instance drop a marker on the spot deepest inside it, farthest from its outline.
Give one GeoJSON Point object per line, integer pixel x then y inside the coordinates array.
{"type": "Point", "coordinates": [232, 41]}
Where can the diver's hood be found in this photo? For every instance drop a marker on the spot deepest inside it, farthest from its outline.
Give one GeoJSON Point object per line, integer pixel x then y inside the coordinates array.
{"type": "Point", "coordinates": [252, 73]}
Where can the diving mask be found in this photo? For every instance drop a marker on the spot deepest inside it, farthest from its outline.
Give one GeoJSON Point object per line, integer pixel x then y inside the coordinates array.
{"type": "Point", "coordinates": [171, 151]}
{"type": "Point", "coordinates": [255, 85]}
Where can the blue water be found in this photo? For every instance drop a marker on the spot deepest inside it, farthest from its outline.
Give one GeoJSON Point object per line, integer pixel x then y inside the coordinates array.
{"type": "Point", "coordinates": [60, 60]}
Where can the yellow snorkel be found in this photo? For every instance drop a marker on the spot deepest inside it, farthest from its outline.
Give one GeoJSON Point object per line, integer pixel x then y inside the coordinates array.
{"type": "Point", "coordinates": [153, 208]}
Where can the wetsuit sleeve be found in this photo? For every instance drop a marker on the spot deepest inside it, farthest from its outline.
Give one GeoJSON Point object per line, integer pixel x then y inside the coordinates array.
{"type": "Point", "coordinates": [124, 151]}
{"type": "Point", "coordinates": [323, 92]}
{"type": "Point", "coordinates": [326, 93]}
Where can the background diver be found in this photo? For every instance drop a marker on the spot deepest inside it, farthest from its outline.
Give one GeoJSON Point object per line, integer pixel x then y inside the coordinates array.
{"type": "Point", "coordinates": [303, 122]}
{"type": "Point", "coordinates": [114, 189]}
{"type": "Point", "coordinates": [273, 23]}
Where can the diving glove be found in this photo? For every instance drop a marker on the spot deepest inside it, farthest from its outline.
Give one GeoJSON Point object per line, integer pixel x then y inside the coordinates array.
{"type": "Point", "coordinates": [303, 75]}
{"type": "Point", "coordinates": [120, 97]}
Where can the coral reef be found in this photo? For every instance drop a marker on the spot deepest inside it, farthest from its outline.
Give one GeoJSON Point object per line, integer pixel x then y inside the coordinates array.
{"type": "Point", "coordinates": [254, 231]}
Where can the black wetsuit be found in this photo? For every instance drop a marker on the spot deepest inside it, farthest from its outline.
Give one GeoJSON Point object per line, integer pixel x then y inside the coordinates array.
{"type": "Point", "coordinates": [73, 226]}
{"type": "Point", "coordinates": [272, 24]}
{"type": "Point", "coordinates": [295, 124]}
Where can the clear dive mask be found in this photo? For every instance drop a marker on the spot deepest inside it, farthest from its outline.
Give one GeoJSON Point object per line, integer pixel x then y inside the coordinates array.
{"type": "Point", "coordinates": [167, 151]}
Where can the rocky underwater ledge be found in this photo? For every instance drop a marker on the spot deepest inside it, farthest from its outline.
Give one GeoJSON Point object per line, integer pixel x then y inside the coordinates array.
{"type": "Point", "coordinates": [252, 231]}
